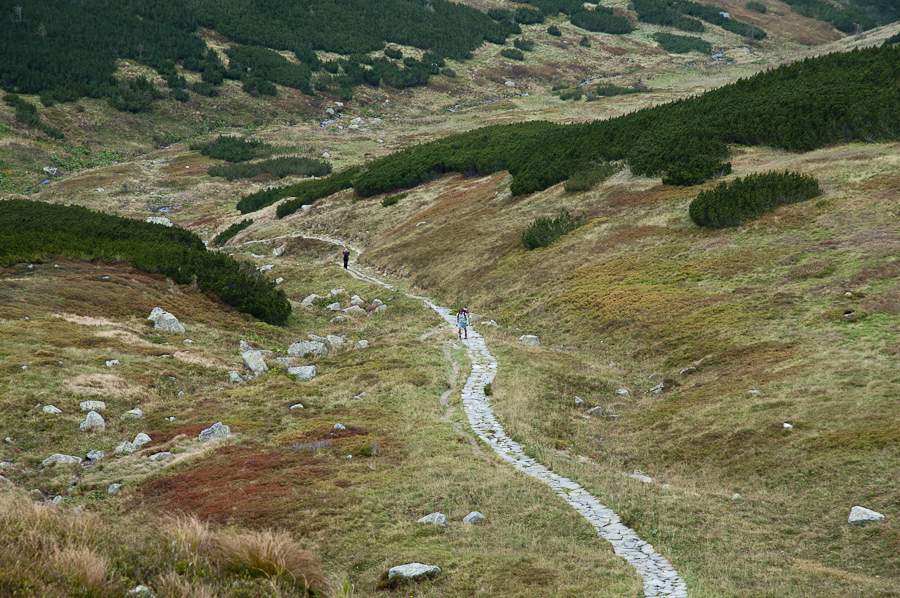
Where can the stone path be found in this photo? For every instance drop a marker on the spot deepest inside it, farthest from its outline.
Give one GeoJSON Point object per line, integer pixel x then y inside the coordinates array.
{"type": "Point", "coordinates": [660, 577]}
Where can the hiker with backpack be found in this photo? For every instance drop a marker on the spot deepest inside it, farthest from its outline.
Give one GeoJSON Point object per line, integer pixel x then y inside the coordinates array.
{"type": "Point", "coordinates": [462, 322]}
{"type": "Point", "coordinates": [346, 258]}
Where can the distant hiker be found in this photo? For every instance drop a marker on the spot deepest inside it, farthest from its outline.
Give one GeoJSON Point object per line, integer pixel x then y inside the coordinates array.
{"type": "Point", "coordinates": [346, 257]}
{"type": "Point", "coordinates": [462, 321]}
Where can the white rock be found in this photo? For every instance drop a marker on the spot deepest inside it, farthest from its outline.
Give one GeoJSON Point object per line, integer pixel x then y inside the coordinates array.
{"type": "Point", "coordinates": [787, 425]}
{"type": "Point", "coordinates": [126, 448]}
{"type": "Point", "coordinates": [354, 309]}
{"type": "Point", "coordinates": [333, 342]}
{"type": "Point", "coordinates": [326, 155]}
{"type": "Point", "coordinates": [5, 483]}
{"type": "Point", "coordinates": [356, 300]}
{"type": "Point", "coordinates": [510, 84]}
{"type": "Point", "coordinates": [96, 456]}
{"type": "Point", "coordinates": [579, 401]}
{"type": "Point", "coordinates": [278, 251]}
{"type": "Point", "coordinates": [234, 377]}
{"type": "Point", "coordinates": [160, 456]}
{"type": "Point", "coordinates": [413, 571]}
{"type": "Point", "coordinates": [141, 439]}
{"type": "Point", "coordinates": [159, 220]}
{"type": "Point", "coordinates": [254, 361]}
{"type": "Point", "coordinates": [266, 267]}
{"type": "Point", "coordinates": [623, 392]}
{"type": "Point", "coordinates": [51, 409]}
{"type": "Point", "coordinates": [362, 344]}
{"type": "Point", "coordinates": [112, 362]}
{"type": "Point", "coordinates": [163, 320]}
{"type": "Point", "coordinates": [302, 348]}
{"type": "Point", "coordinates": [642, 477]}
{"type": "Point", "coordinates": [297, 406]}
{"type": "Point", "coordinates": [140, 592]}
{"type": "Point", "coordinates": [333, 306]}
{"type": "Point", "coordinates": [309, 300]}
{"type": "Point", "coordinates": [334, 293]}
{"type": "Point", "coordinates": [279, 280]}
{"type": "Point", "coordinates": [595, 411]}
{"type": "Point", "coordinates": [92, 406]}
{"type": "Point", "coordinates": [861, 516]}
{"type": "Point", "coordinates": [340, 427]}
{"type": "Point", "coordinates": [473, 517]}
{"type": "Point", "coordinates": [736, 496]}
{"type": "Point", "coordinates": [434, 518]}
{"type": "Point", "coordinates": [113, 489]}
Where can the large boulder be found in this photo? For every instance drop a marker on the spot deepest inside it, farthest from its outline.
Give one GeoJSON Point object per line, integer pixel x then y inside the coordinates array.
{"type": "Point", "coordinates": [303, 348]}
{"type": "Point", "coordinates": [254, 360]}
{"type": "Point", "coordinates": [163, 320]}
{"type": "Point", "coordinates": [309, 300]}
{"type": "Point", "coordinates": [217, 430]}
{"type": "Point", "coordinates": [303, 373]}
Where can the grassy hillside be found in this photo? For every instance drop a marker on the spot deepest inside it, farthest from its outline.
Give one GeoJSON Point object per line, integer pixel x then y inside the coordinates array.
{"type": "Point", "coordinates": [798, 306]}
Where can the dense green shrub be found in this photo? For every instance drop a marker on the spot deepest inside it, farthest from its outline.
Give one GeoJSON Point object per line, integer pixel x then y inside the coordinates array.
{"type": "Point", "coordinates": [682, 44]}
{"type": "Point", "coordinates": [280, 167]}
{"type": "Point", "coordinates": [584, 42]}
{"type": "Point", "coordinates": [512, 54]}
{"type": "Point", "coordinates": [554, 31]}
{"type": "Point", "coordinates": [608, 90]}
{"type": "Point", "coordinates": [391, 200]}
{"type": "Point", "coordinates": [744, 199]}
{"type": "Point", "coordinates": [892, 40]}
{"type": "Point", "coordinates": [233, 149]}
{"type": "Point", "coordinates": [395, 53]}
{"type": "Point", "coordinates": [34, 231]}
{"type": "Point", "coordinates": [543, 231]}
{"type": "Point", "coordinates": [523, 44]}
{"type": "Point", "coordinates": [600, 19]}
{"type": "Point", "coordinates": [230, 232]}
{"type": "Point", "coordinates": [757, 6]}
{"type": "Point", "coordinates": [205, 89]}
{"type": "Point", "coordinates": [585, 179]}
{"type": "Point", "coordinates": [180, 95]}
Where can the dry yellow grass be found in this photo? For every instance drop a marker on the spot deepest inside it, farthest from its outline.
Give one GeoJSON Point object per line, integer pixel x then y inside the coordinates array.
{"type": "Point", "coordinates": [273, 554]}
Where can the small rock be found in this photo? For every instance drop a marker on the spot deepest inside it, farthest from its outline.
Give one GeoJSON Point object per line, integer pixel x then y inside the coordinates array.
{"type": "Point", "coordinates": [637, 475]}
{"type": "Point", "coordinates": [623, 392]}
{"type": "Point", "coordinates": [362, 344]}
{"type": "Point", "coordinates": [112, 362]}
{"type": "Point", "coordinates": [5, 483]}
{"type": "Point", "coordinates": [340, 427]}
{"type": "Point", "coordinates": [736, 496]}
{"type": "Point", "coordinates": [141, 439]}
{"type": "Point", "coordinates": [413, 571]}
{"type": "Point", "coordinates": [326, 155]}
{"type": "Point", "coordinates": [140, 592]}
{"type": "Point", "coordinates": [753, 392]}
{"type": "Point", "coordinates": [335, 293]}
{"type": "Point", "coordinates": [254, 361]}
{"type": "Point", "coordinates": [493, 323]}
{"type": "Point", "coordinates": [163, 320]}
{"type": "Point", "coordinates": [861, 516]}
{"type": "Point", "coordinates": [160, 456]}
{"type": "Point", "coordinates": [297, 406]}
{"type": "Point", "coordinates": [279, 280]}
{"type": "Point", "coordinates": [787, 425]}
{"type": "Point", "coordinates": [50, 409]}
{"type": "Point", "coordinates": [304, 348]}
{"type": "Point", "coordinates": [92, 406]}
{"type": "Point", "coordinates": [135, 413]}
{"type": "Point", "coordinates": [435, 519]}
{"type": "Point", "coordinates": [579, 401]}
{"type": "Point", "coordinates": [126, 448]}
{"type": "Point", "coordinates": [234, 377]}
{"type": "Point", "coordinates": [333, 306]}
{"type": "Point", "coordinates": [687, 371]}
{"type": "Point", "coordinates": [35, 495]}
{"type": "Point", "coordinates": [473, 517]}
{"type": "Point", "coordinates": [510, 84]}
{"type": "Point", "coordinates": [278, 251]}
{"type": "Point", "coordinates": [96, 456]}
{"type": "Point", "coordinates": [595, 411]}
{"type": "Point", "coordinates": [666, 486]}
{"type": "Point", "coordinates": [113, 489]}
{"type": "Point", "coordinates": [60, 458]}
{"type": "Point", "coordinates": [218, 430]}
{"type": "Point", "coordinates": [309, 300]}
{"type": "Point", "coordinates": [354, 309]}
{"type": "Point", "coordinates": [333, 342]}
{"type": "Point", "coordinates": [530, 339]}
{"type": "Point", "coordinates": [160, 219]}
{"type": "Point", "coordinates": [656, 389]}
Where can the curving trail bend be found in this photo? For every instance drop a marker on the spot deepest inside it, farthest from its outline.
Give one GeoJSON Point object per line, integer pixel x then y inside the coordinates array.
{"type": "Point", "coordinates": [660, 577]}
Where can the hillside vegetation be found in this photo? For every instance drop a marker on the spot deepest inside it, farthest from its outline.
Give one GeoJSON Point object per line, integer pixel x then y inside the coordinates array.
{"type": "Point", "coordinates": [749, 372]}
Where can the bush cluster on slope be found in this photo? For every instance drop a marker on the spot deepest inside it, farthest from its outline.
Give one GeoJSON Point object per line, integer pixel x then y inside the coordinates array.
{"type": "Point", "coordinates": [732, 204]}
{"type": "Point", "coordinates": [835, 98]}
{"type": "Point", "coordinates": [280, 167]}
{"type": "Point", "coordinates": [30, 231]}
{"type": "Point", "coordinates": [543, 231]}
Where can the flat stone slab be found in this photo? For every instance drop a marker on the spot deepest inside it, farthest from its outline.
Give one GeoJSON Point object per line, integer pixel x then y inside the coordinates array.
{"type": "Point", "coordinates": [414, 571]}
{"type": "Point", "coordinates": [862, 516]}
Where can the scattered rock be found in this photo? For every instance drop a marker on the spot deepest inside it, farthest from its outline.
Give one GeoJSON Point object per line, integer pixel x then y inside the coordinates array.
{"type": "Point", "coordinates": [736, 497]}
{"type": "Point", "coordinates": [112, 362]}
{"type": "Point", "coordinates": [234, 377]}
{"type": "Point", "coordinates": [530, 339]}
{"type": "Point", "coordinates": [413, 572]}
{"type": "Point", "coordinates": [35, 495]}
{"type": "Point", "coordinates": [159, 220]}
{"type": "Point", "coordinates": [362, 344]}
{"type": "Point", "coordinates": [340, 427]}
{"type": "Point", "coordinates": [309, 300]}
{"type": "Point", "coordinates": [52, 171]}
{"type": "Point", "coordinates": [623, 392]}
{"type": "Point", "coordinates": [303, 373]}
{"type": "Point", "coordinates": [787, 425]}
{"type": "Point", "coordinates": [279, 280]}
{"type": "Point", "coordinates": [493, 323]}
{"type": "Point", "coordinates": [356, 300]}
{"type": "Point", "coordinates": [136, 413]}
{"type": "Point", "coordinates": [326, 155]}
{"type": "Point", "coordinates": [861, 516]}
{"type": "Point", "coordinates": [335, 293]}
{"type": "Point", "coordinates": [254, 361]}
{"type": "Point", "coordinates": [218, 430]}
{"type": "Point", "coordinates": [140, 592]}
{"type": "Point", "coordinates": [60, 458]}
{"type": "Point", "coordinates": [126, 448]}
{"type": "Point", "coordinates": [163, 320]}
{"type": "Point", "coordinates": [333, 342]}
{"type": "Point", "coordinates": [377, 303]}
{"type": "Point", "coordinates": [245, 346]}
{"type": "Point", "coordinates": [688, 371]}
{"type": "Point", "coordinates": [596, 411]}
{"type": "Point", "coordinates": [278, 251]}
{"type": "Point", "coordinates": [435, 519]}
{"type": "Point", "coordinates": [354, 309]}
{"type": "Point", "coordinates": [113, 489]}
{"type": "Point", "coordinates": [473, 517]}
{"type": "Point", "coordinates": [51, 410]}
{"type": "Point", "coordinates": [753, 392]}
{"type": "Point", "coordinates": [93, 421]}
{"type": "Point", "coordinates": [579, 401]}
{"type": "Point", "coordinates": [266, 268]}
{"type": "Point", "coordinates": [303, 348]}
{"type": "Point", "coordinates": [510, 84]}
{"type": "Point", "coordinates": [640, 475]}
{"type": "Point", "coordinates": [92, 406]}
{"type": "Point", "coordinates": [297, 406]}
{"type": "Point", "coordinates": [141, 439]}
{"type": "Point", "coordinates": [5, 483]}
{"type": "Point", "coordinates": [656, 389]}
{"type": "Point", "coordinates": [333, 306]}
{"type": "Point", "coordinates": [160, 456]}
{"type": "Point", "coordinates": [96, 456]}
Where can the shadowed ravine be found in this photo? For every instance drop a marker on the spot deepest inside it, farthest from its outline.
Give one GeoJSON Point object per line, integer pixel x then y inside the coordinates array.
{"type": "Point", "coordinates": [660, 577]}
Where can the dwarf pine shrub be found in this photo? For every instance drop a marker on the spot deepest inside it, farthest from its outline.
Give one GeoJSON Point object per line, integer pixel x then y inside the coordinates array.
{"type": "Point", "coordinates": [732, 204]}
{"type": "Point", "coordinates": [585, 179]}
{"type": "Point", "coordinates": [229, 233]}
{"type": "Point", "coordinates": [544, 231]}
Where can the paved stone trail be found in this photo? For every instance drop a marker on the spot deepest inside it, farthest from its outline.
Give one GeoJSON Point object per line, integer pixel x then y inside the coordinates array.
{"type": "Point", "coordinates": [660, 577]}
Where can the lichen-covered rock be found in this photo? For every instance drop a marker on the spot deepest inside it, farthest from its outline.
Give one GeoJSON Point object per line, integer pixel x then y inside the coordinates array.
{"type": "Point", "coordinates": [93, 421]}
{"type": "Point", "coordinates": [163, 320]}
{"type": "Point", "coordinates": [413, 571]}
{"type": "Point", "coordinates": [92, 406]}
{"type": "Point", "coordinates": [530, 339]}
{"type": "Point", "coordinates": [333, 342]}
{"type": "Point", "coordinates": [308, 301]}
{"type": "Point", "coordinates": [861, 516]}
{"type": "Point", "coordinates": [354, 310]}
{"type": "Point", "coordinates": [254, 360]}
{"type": "Point", "coordinates": [51, 410]}
{"type": "Point", "coordinates": [160, 456]}
{"type": "Point", "coordinates": [303, 373]}
{"type": "Point", "coordinates": [333, 306]}
{"type": "Point", "coordinates": [435, 519]}
{"type": "Point", "coordinates": [473, 517]}
{"type": "Point", "coordinates": [113, 489]}
{"type": "Point", "coordinates": [362, 344]}
{"type": "Point", "coordinates": [141, 439]}
{"type": "Point", "coordinates": [136, 413]}
{"type": "Point", "coordinates": [303, 348]}
{"type": "Point", "coordinates": [217, 430]}
{"type": "Point", "coordinates": [60, 458]}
